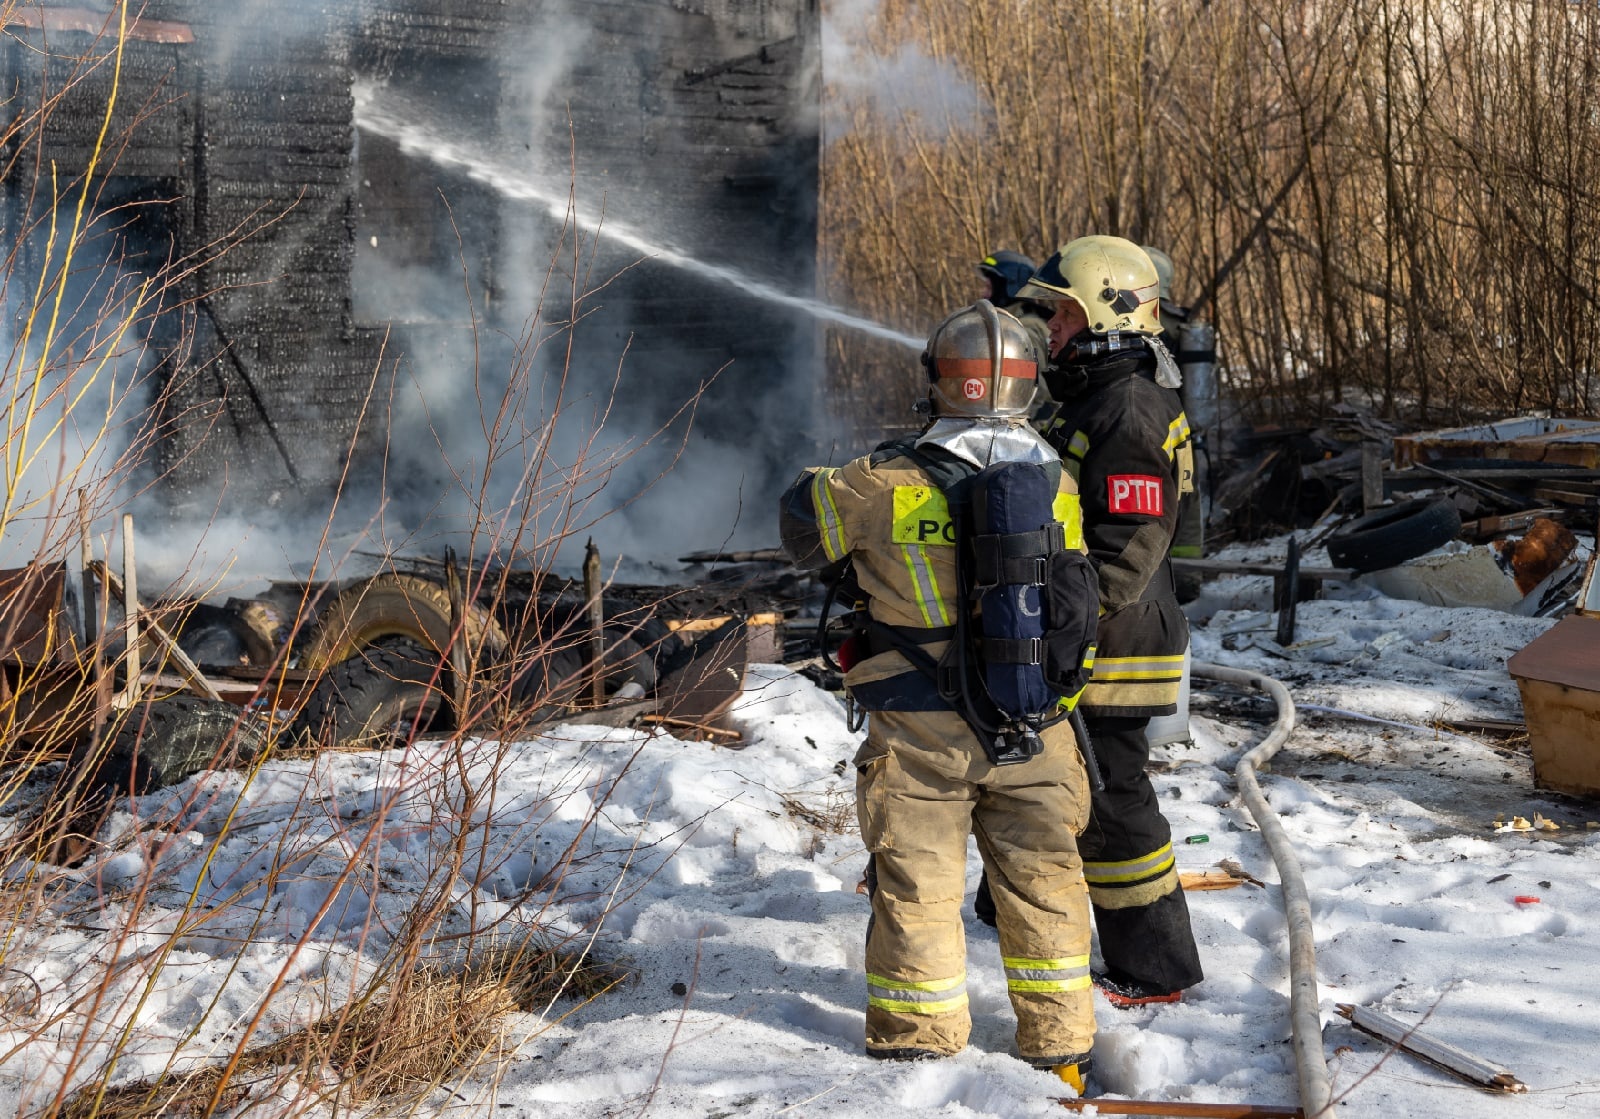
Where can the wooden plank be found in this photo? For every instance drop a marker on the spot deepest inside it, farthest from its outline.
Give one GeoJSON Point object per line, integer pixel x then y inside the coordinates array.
{"type": "Point", "coordinates": [1485, 527]}
{"type": "Point", "coordinates": [1181, 1109]}
{"type": "Point", "coordinates": [1456, 1061]}
{"type": "Point", "coordinates": [1371, 475]}
{"type": "Point", "coordinates": [1234, 567]}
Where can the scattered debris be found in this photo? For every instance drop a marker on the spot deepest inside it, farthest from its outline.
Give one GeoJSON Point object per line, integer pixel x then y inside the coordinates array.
{"type": "Point", "coordinates": [1233, 868]}
{"type": "Point", "coordinates": [1447, 1057]}
{"type": "Point", "coordinates": [1538, 554]}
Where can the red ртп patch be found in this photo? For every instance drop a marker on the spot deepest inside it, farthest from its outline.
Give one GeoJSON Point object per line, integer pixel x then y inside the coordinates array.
{"type": "Point", "coordinates": [1134, 493]}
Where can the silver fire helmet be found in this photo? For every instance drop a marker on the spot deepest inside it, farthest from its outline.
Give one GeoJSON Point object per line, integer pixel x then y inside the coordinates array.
{"type": "Point", "coordinates": [981, 364]}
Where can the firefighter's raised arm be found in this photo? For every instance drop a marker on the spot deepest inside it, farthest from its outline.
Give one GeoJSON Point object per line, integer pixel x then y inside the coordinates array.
{"type": "Point", "coordinates": [819, 514]}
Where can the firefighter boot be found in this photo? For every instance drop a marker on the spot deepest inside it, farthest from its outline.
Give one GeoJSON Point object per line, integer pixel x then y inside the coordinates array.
{"type": "Point", "coordinates": [1124, 994]}
{"type": "Point", "coordinates": [1073, 1071]}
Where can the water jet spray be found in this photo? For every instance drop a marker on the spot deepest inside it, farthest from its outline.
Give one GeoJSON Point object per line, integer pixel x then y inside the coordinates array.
{"type": "Point", "coordinates": [418, 140]}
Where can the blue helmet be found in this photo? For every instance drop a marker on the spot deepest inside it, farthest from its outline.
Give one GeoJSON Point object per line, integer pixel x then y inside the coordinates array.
{"type": "Point", "coordinates": [1008, 271]}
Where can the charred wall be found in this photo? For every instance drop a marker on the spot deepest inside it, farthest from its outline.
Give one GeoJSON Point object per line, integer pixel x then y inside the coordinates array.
{"type": "Point", "coordinates": [694, 119]}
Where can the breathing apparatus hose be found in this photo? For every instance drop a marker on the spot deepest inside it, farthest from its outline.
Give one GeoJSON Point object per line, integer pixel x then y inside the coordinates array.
{"type": "Point", "coordinates": [1316, 1090]}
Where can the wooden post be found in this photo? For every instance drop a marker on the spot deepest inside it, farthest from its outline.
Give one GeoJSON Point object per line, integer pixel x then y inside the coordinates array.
{"type": "Point", "coordinates": [90, 603]}
{"type": "Point", "coordinates": [458, 633]}
{"type": "Point", "coordinates": [1371, 475]}
{"type": "Point", "coordinates": [196, 679]}
{"type": "Point", "coordinates": [1288, 593]}
{"type": "Point", "coordinates": [597, 624]}
{"type": "Point", "coordinates": [130, 609]}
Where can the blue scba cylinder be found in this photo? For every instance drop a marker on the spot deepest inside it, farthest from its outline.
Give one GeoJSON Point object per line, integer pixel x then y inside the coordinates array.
{"type": "Point", "coordinates": [1013, 505]}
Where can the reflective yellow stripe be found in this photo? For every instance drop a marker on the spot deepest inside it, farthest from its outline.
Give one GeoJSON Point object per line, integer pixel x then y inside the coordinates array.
{"type": "Point", "coordinates": [933, 996]}
{"type": "Point", "coordinates": [1047, 986]}
{"type": "Point", "coordinates": [1185, 551]}
{"type": "Point", "coordinates": [1069, 703]}
{"type": "Point", "coordinates": [900, 1006]}
{"type": "Point", "coordinates": [1053, 963]}
{"type": "Point", "coordinates": [926, 587]}
{"type": "Point", "coordinates": [828, 521]}
{"type": "Point", "coordinates": [1070, 973]}
{"type": "Point", "coordinates": [1177, 432]}
{"type": "Point", "coordinates": [1068, 509]}
{"type": "Point", "coordinates": [1078, 445]}
{"type": "Point", "coordinates": [1158, 861]}
{"type": "Point", "coordinates": [1138, 668]}
{"type": "Point", "coordinates": [916, 984]}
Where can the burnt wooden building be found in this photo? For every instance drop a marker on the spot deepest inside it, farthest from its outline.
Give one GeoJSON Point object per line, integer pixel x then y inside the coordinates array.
{"type": "Point", "coordinates": [361, 199]}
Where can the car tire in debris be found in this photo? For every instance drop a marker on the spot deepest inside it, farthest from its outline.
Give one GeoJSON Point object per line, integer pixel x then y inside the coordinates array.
{"type": "Point", "coordinates": [395, 606]}
{"type": "Point", "coordinates": [162, 742]}
{"type": "Point", "coordinates": [1388, 537]}
{"type": "Point", "coordinates": [387, 694]}
{"type": "Point", "coordinates": [548, 684]}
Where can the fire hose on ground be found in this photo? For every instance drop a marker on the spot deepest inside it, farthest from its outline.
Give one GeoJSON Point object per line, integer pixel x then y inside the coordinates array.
{"type": "Point", "coordinates": [1316, 1091]}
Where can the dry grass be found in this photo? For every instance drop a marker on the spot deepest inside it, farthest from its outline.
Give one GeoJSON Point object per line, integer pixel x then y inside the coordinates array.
{"type": "Point", "coordinates": [1388, 202]}
{"type": "Point", "coordinates": [428, 1030]}
{"type": "Point", "coordinates": [835, 814]}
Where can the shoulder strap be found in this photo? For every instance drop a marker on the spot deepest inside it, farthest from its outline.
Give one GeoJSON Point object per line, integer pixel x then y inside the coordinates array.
{"type": "Point", "coordinates": [946, 470]}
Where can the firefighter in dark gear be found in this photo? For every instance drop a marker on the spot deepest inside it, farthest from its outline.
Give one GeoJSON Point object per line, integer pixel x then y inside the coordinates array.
{"type": "Point", "coordinates": [1188, 539]}
{"type": "Point", "coordinates": [1122, 431]}
{"type": "Point", "coordinates": [1003, 274]}
{"type": "Point", "coordinates": [924, 781]}
{"type": "Point", "coordinates": [1172, 313]}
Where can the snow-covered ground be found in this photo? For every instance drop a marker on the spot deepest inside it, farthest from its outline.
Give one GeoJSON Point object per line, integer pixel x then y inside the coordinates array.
{"type": "Point", "coordinates": [724, 879]}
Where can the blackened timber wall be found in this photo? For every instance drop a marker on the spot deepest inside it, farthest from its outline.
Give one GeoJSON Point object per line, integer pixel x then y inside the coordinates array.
{"type": "Point", "coordinates": [695, 120]}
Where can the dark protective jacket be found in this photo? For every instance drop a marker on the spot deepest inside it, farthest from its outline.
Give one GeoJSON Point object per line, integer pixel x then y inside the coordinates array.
{"type": "Point", "coordinates": [1127, 442]}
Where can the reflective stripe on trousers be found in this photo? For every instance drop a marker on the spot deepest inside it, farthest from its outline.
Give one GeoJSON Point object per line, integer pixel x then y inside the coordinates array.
{"type": "Point", "coordinates": [936, 996]}
{"type": "Point", "coordinates": [1033, 976]}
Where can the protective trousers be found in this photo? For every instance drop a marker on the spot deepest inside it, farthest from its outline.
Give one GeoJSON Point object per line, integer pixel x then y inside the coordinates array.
{"type": "Point", "coordinates": [1139, 908]}
{"type": "Point", "coordinates": [923, 785]}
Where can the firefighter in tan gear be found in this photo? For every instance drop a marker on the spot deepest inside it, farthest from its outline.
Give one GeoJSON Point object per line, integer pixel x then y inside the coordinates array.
{"type": "Point", "coordinates": [924, 779]}
{"type": "Point", "coordinates": [1121, 430]}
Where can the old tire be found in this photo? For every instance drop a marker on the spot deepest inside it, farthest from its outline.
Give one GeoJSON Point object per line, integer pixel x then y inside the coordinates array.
{"type": "Point", "coordinates": [1388, 537]}
{"type": "Point", "coordinates": [167, 740]}
{"type": "Point", "coordinates": [388, 694]}
{"type": "Point", "coordinates": [407, 607]}
{"type": "Point", "coordinates": [549, 684]}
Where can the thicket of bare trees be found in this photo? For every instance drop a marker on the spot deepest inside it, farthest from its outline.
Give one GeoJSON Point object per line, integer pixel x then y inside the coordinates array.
{"type": "Point", "coordinates": [1395, 202]}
